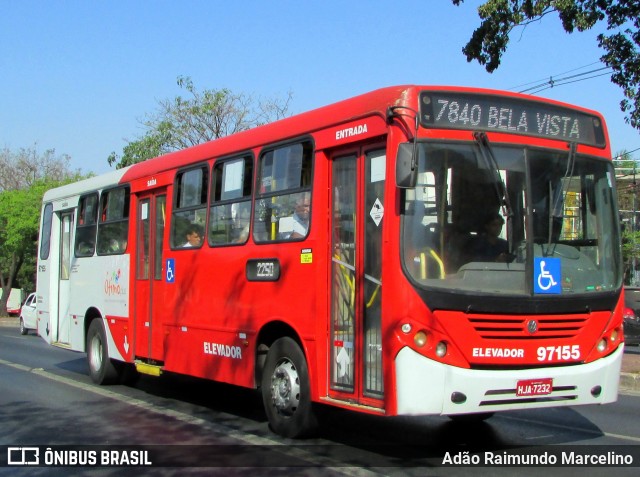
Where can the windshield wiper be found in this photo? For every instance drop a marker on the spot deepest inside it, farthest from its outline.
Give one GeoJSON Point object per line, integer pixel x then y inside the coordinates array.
{"type": "Point", "coordinates": [486, 151]}
{"type": "Point", "coordinates": [556, 210]}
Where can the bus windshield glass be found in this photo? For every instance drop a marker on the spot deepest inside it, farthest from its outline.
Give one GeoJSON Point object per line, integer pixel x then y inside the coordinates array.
{"type": "Point", "coordinates": [492, 219]}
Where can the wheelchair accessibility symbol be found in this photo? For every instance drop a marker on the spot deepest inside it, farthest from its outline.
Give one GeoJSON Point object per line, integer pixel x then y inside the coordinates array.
{"type": "Point", "coordinates": [170, 270]}
{"type": "Point", "coordinates": [547, 275]}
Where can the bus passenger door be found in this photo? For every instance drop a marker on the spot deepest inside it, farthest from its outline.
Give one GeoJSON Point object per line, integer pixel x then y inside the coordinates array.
{"type": "Point", "coordinates": [356, 276]}
{"type": "Point", "coordinates": [150, 224]}
{"type": "Point", "coordinates": [64, 278]}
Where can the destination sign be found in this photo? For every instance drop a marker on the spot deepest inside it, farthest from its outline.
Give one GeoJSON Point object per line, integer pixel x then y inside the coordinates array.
{"type": "Point", "coordinates": [453, 110]}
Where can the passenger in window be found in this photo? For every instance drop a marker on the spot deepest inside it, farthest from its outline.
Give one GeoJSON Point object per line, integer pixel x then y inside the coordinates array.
{"type": "Point", "coordinates": [193, 235]}
{"type": "Point", "coordinates": [84, 249]}
{"type": "Point", "coordinates": [489, 247]}
{"type": "Point", "coordinates": [117, 246]}
{"type": "Point", "coordinates": [301, 217]}
{"type": "Point", "coordinates": [243, 235]}
{"type": "Point", "coordinates": [114, 246]}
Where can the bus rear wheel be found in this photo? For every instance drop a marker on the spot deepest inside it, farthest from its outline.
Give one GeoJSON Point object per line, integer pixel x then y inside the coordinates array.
{"type": "Point", "coordinates": [101, 369]}
{"type": "Point", "coordinates": [286, 392]}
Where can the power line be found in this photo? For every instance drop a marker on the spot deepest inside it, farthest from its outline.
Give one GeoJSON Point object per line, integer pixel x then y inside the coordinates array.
{"type": "Point", "coordinates": [558, 74]}
{"type": "Point", "coordinates": [629, 152]}
{"type": "Point", "coordinates": [561, 80]}
{"type": "Point", "coordinates": [551, 82]}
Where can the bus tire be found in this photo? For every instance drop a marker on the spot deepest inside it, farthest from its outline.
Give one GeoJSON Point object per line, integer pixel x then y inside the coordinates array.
{"type": "Point", "coordinates": [286, 393]}
{"type": "Point", "coordinates": [101, 369]}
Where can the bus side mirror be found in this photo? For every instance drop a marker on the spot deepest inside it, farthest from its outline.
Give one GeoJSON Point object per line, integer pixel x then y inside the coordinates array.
{"type": "Point", "coordinates": [406, 166]}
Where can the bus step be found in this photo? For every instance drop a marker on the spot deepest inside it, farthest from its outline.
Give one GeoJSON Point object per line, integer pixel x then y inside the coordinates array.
{"type": "Point", "coordinates": [60, 344]}
{"type": "Point", "coordinates": [150, 369]}
{"type": "Point", "coordinates": [351, 405]}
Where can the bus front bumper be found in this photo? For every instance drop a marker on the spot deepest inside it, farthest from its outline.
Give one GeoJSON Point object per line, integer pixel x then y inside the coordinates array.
{"type": "Point", "coordinates": [425, 386]}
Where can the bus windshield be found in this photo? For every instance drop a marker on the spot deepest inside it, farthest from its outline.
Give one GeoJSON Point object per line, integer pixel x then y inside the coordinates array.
{"type": "Point", "coordinates": [511, 220]}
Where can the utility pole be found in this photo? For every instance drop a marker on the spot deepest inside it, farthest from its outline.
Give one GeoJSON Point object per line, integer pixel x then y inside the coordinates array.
{"type": "Point", "coordinates": [634, 281]}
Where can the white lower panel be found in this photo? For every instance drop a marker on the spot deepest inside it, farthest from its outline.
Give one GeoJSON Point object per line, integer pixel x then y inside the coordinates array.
{"type": "Point", "coordinates": [425, 386]}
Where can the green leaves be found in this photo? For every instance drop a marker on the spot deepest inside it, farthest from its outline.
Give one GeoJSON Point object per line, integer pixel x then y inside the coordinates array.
{"type": "Point", "coordinates": [621, 48]}
{"type": "Point", "coordinates": [199, 117]}
{"type": "Point", "coordinates": [27, 175]}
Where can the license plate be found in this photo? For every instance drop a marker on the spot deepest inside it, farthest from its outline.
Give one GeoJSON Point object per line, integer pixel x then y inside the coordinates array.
{"type": "Point", "coordinates": [534, 387]}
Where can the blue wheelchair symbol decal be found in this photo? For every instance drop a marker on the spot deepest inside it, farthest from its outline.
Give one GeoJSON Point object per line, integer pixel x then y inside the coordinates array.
{"type": "Point", "coordinates": [171, 270]}
{"type": "Point", "coordinates": [547, 276]}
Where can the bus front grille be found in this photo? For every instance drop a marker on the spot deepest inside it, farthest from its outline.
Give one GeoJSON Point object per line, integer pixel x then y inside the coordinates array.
{"type": "Point", "coordinates": [496, 327]}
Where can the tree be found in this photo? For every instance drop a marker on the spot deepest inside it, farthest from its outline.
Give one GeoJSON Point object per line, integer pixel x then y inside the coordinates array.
{"type": "Point", "coordinates": [26, 175]}
{"type": "Point", "coordinates": [22, 168]}
{"type": "Point", "coordinates": [626, 172]}
{"type": "Point", "coordinates": [203, 116]}
{"type": "Point", "coordinates": [621, 44]}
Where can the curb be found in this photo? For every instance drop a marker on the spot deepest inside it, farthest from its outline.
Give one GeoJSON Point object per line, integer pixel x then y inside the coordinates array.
{"type": "Point", "coordinates": [10, 322]}
{"type": "Point", "coordinates": [628, 381]}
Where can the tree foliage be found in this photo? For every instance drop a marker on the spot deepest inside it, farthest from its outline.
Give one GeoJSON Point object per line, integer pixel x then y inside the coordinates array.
{"type": "Point", "coordinates": [26, 176]}
{"type": "Point", "coordinates": [621, 42]}
{"type": "Point", "coordinates": [202, 116]}
{"type": "Point", "coordinates": [24, 167]}
{"type": "Point", "coordinates": [626, 185]}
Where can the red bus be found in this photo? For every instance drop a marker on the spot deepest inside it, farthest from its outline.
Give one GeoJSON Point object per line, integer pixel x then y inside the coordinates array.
{"type": "Point", "coordinates": [416, 250]}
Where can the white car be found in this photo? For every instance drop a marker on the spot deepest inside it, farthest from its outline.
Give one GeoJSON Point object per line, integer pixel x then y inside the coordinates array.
{"type": "Point", "coordinates": [28, 316]}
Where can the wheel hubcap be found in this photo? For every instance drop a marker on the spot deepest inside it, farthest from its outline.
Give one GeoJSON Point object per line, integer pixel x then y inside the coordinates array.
{"type": "Point", "coordinates": [285, 388]}
{"type": "Point", "coordinates": [96, 353]}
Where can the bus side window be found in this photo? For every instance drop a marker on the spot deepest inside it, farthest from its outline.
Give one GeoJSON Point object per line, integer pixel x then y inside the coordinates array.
{"type": "Point", "coordinates": [190, 207]}
{"type": "Point", "coordinates": [230, 213]}
{"type": "Point", "coordinates": [45, 240]}
{"type": "Point", "coordinates": [283, 202]}
{"type": "Point", "coordinates": [113, 227]}
{"type": "Point", "coordinates": [86, 225]}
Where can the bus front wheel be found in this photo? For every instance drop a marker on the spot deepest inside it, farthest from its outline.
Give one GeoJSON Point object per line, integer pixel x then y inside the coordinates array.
{"type": "Point", "coordinates": [101, 369]}
{"type": "Point", "coordinates": [286, 392]}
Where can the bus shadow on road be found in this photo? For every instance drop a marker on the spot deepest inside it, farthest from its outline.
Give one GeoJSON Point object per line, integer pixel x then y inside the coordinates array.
{"type": "Point", "coordinates": [76, 366]}
{"type": "Point", "coordinates": [358, 439]}
{"type": "Point", "coordinates": [355, 438]}
{"type": "Point", "coordinates": [414, 441]}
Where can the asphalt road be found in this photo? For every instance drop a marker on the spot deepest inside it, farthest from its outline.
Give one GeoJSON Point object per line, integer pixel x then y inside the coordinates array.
{"type": "Point", "coordinates": [47, 399]}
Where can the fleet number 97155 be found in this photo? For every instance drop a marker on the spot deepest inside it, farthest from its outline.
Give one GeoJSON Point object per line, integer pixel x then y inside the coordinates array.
{"type": "Point", "coordinates": [559, 353]}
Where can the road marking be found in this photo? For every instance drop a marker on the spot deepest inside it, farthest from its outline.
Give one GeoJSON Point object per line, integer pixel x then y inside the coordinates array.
{"type": "Point", "coordinates": [287, 449]}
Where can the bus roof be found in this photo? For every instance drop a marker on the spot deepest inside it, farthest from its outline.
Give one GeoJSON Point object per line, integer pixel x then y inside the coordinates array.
{"type": "Point", "coordinates": [373, 103]}
{"type": "Point", "coordinates": [368, 104]}
{"type": "Point", "coordinates": [86, 185]}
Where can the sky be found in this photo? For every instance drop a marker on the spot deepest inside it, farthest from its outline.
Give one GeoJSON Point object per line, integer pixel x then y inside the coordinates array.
{"type": "Point", "coordinates": [79, 76]}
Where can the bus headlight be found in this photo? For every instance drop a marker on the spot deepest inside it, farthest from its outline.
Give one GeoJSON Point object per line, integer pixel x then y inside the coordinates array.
{"type": "Point", "coordinates": [441, 349]}
{"type": "Point", "coordinates": [602, 345]}
{"type": "Point", "coordinates": [614, 335]}
{"type": "Point", "coordinates": [406, 328]}
{"type": "Point", "coordinates": [420, 339]}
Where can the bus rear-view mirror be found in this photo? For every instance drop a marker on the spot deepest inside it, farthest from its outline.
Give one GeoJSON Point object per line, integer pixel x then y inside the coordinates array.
{"type": "Point", "coordinates": [406, 166]}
